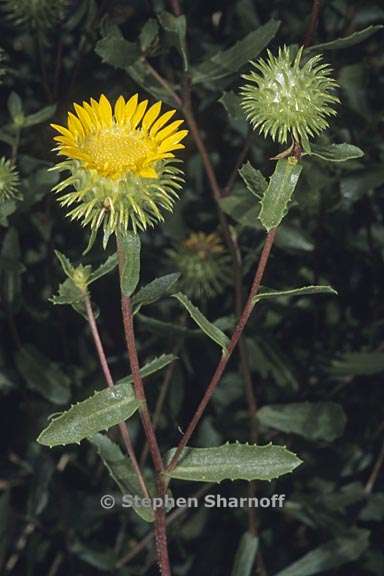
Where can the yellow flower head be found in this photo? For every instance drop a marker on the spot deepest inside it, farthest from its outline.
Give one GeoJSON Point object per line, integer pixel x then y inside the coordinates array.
{"type": "Point", "coordinates": [204, 264]}
{"type": "Point", "coordinates": [120, 161]}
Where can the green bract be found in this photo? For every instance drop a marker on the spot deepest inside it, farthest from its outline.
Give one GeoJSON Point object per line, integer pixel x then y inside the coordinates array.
{"type": "Point", "coordinates": [129, 203]}
{"type": "Point", "coordinates": [35, 13]}
{"type": "Point", "coordinates": [9, 180]}
{"type": "Point", "coordinates": [283, 98]}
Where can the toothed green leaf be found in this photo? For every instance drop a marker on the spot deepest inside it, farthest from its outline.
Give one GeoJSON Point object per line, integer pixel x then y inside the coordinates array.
{"type": "Point", "coordinates": [130, 262]}
{"type": "Point", "coordinates": [156, 289]}
{"type": "Point", "coordinates": [151, 367]}
{"type": "Point", "coordinates": [282, 184]}
{"type": "Point", "coordinates": [99, 412]}
{"type": "Point", "coordinates": [335, 152]}
{"type": "Point", "coordinates": [233, 462]}
{"type": "Point", "coordinates": [253, 179]}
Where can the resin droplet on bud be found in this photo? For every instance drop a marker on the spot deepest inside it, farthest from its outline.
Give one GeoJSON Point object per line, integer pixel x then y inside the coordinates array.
{"type": "Point", "coordinates": [286, 99]}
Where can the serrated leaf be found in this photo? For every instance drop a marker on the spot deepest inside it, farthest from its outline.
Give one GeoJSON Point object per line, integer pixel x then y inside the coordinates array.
{"type": "Point", "coordinates": [335, 152]}
{"type": "Point", "coordinates": [304, 291]}
{"type": "Point", "coordinates": [150, 367]}
{"type": "Point", "coordinates": [313, 420]}
{"type": "Point", "coordinates": [334, 553]}
{"type": "Point", "coordinates": [233, 462]}
{"type": "Point", "coordinates": [227, 62]}
{"type": "Point", "coordinates": [282, 184]}
{"type": "Point", "coordinates": [115, 50]}
{"type": "Point", "coordinates": [358, 364]}
{"type": "Point", "coordinates": [158, 288]}
{"type": "Point", "coordinates": [245, 555]}
{"type": "Point", "coordinates": [176, 29]}
{"type": "Point", "coordinates": [130, 262]}
{"type": "Point", "coordinates": [42, 375]}
{"type": "Point", "coordinates": [101, 411]}
{"type": "Point", "coordinates": [253, 179]}
{"type": "Point", "coordinates": [66, 265]}
{"type": "Point", "coordinates": [347, 41]}
{"type": "Point", "coordinates": [122, 471]}
{"type": "Point", "coordinates": [70, 294]}
{"type": "Point", "coordinates": [104, 269]}
{"type": "Point", "coordinates": [206, 326]}
{"type": "Point", "coordinates": [232, 104]}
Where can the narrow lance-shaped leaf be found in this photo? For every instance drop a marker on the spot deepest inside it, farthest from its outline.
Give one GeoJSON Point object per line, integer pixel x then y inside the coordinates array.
{"type": "Point", "coordinates": [104, 269]}
{"type": "Point", "coordinates": [206, 326]}
{"type": "Point", "coordinates": [151, 367]}
{"type": "Point", "coordinates": [303, 291]}
{"type": "Point", "coordinates": [66, 265]}
{"type": "Point", "coordinates": [234, 462]}
{"type": "Point", "coordinates": [282, 184]}
{"type": "Point", "coordinates": [99, 412]}
{"type": "Point", "coordinates": [42, 375]}
{"type": "Point", "coordinates": [245, 555]}
{"type": "Point", "coordinates": [130, 262]}
{"type": "Point", "coordinates": [347, 41]}
{"type": "Point", "coordinates": [253, 179]}
{"type": "Point", "coordinates": [226, 62]}
{"type": "Point", "coordinates": [313, 420]}
{"type": "Point", "coordinates": [332, 554]}
{"type": "Point", "coordinates": [158, 288]}
{"type": "Point", "coordinates": [358, 364]}
{"type": "Point", "coordinates": [122, 471]}
{"type": "Point", "coordinates": [335, 152]}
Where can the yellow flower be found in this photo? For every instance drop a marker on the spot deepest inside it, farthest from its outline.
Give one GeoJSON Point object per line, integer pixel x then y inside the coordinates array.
{"type": "Point", "coordinates": [120, 161]}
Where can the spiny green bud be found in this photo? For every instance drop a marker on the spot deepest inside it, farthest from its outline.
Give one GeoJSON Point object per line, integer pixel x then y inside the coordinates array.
{"type": "Point", "coordinates": [9, 181]}
{"type": "Point", "coordinates": [286, 99]}
{"type": "Point", "coordinates": [38, 14]}
{"type": "Point", "coordinates": [203, 263]}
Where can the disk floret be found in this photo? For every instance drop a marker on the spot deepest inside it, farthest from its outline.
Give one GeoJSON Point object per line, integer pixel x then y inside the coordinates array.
{"type": "Point", "coordinates": [121, 163]}
{"type": "Point", "coordinates": [283, 98]}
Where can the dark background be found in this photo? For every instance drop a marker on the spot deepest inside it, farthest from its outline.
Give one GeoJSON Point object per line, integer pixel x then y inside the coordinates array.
{"type": "Point", "coordinates": [320, 348]}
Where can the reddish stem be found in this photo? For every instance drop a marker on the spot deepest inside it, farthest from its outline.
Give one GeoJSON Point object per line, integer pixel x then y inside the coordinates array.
{"type": "Point", "coordinates": [109, 380]}
{"type": "Point", "coordinates": [160, 518]}
{"type": "Point", "coordinates": [231, 346]}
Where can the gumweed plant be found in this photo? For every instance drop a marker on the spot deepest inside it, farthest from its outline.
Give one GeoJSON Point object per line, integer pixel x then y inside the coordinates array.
{"type": "Point", "coordinates": [121, 177]}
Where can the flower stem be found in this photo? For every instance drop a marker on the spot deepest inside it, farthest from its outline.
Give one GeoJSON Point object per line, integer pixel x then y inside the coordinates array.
{"type": "Point", "coordinates": [160, 519]}
{"type": "Point", "coordinates": [109, 380]}
{"type": "Point", "coordinates": [231, 346]}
